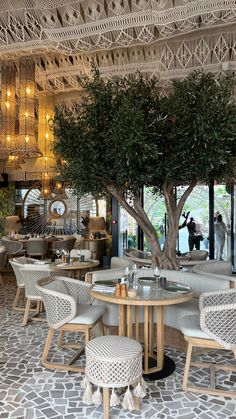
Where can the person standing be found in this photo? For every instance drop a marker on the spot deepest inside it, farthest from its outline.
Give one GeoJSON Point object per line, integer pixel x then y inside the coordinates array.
{"type": "Point", "coordinates": [193, 238]}
{"type": "Point", "coordinates": [220, 231]}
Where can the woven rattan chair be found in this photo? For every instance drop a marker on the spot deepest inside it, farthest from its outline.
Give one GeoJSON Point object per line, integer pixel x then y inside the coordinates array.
{"type": "Point", "coordinates": [17, 264]}
{"type": "Point", "coordinates": [30, 274]}
{"type": "Point", "coordinates": [37, 247]}
{"type": "Point", "coordinates": [3, 259]}
{"type": "Point", "coordinates": [67, 303]}
{"type": "Point", "coordinates": [215, 330]}
{"type": "Point", "coordinates": [14, 248]}
{"type": "Point", "coordinates": [66, 244]}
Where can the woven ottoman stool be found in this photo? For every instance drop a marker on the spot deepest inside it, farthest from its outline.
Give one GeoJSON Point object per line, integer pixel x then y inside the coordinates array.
{"type": "Point", "coordinates": [113, 362]}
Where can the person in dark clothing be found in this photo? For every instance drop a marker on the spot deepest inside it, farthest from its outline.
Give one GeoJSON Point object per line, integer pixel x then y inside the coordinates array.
{"type": "Point", "coordinates": [193, 238]}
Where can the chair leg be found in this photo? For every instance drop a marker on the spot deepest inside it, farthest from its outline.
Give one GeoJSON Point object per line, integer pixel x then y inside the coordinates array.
{"type": "Point", "coordinates": [47, 347]}
{"type": "Point", "coordinates": [101, 327]}
{"type": "Point", "coordinates": [86, 336]}
{"type": "Point", "coordinates": [60, 339]}
{"type": "Point", "coordinates": [1, 280]}
{"type": "Point", "coordinates": [54, 365]}
{"type": "Point", "coordinates": [187, 366]}
{"type": "Point", "coordinates": [106, 403]}
{"type": "Point", "coordinates": [16, 300]}
{"type": "Point", "coordinates": [26, 315]}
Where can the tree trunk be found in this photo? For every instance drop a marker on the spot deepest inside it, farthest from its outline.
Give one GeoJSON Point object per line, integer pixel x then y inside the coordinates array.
{"type": "Point", "coordinates": [165, 259]}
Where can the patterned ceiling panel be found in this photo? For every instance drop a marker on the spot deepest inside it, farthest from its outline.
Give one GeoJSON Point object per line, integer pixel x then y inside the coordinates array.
{"type": "Point", "coordinates": [121, 36]}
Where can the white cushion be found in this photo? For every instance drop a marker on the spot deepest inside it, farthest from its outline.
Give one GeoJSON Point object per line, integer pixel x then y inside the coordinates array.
{"type": "Point", "coordinates": [87, 314]}
{"type": "Point", "coordinates": [173, 314]}
{"type": "Point", "coordinates": [190, 326]}
{"type": "Point", "coordinates": [2, 249]}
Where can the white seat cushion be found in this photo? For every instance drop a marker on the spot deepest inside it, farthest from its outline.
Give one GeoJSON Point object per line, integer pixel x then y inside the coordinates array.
{"type": "Point", "coordinates": [174, 313]}
{"type": "Point", "coordinates": [190, 326]}
{"type": "Point", "coordinates": [87, 314]}
{"type": "Point", "coordinates": [2, 249]}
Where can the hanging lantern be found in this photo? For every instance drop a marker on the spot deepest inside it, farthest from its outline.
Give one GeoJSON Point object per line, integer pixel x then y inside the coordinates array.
{"type": "Point", "coordinates": [46, 163]}
{"type": "Point", "coordinates": [12, 163]}
{"type": "Point", "coordinates": [46, 191]}
{"type": "Point", "coordinates": [59, 190]}
{"type": "Point", "coordinates": [26, 144]}
{"type": "Point", "coordinates": [8, 109]}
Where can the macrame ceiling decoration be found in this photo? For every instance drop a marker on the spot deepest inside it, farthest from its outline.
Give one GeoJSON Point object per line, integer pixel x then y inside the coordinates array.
{"type": "Point", "coordinates": [161, 38]}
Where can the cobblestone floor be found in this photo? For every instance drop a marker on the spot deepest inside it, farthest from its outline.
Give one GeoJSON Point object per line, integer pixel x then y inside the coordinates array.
{"type": "Point", "coordinates": [29, 391]}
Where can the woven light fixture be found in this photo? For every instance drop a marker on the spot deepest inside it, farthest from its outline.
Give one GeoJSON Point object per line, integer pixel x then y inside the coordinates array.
{"type": "Point", "coordinates": [8, 109]}
{"type": "Point", "coordinates": [13, 163]}
{"type": "Point", "coordinates": [26, 144]}
{"type": "Point", "coordinates": [45, 166]}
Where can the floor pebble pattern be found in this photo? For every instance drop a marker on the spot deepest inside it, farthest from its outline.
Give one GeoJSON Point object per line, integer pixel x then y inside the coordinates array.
{"type": "Point", "coordinates": [29, 391]}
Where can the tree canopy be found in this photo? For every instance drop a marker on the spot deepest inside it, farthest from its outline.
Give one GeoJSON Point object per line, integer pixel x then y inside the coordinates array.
{"type": "Point", "coordinates": [123, 135]}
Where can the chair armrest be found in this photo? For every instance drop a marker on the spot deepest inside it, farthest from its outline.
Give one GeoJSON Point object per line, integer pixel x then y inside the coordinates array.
{"type": "Point", "coordinates": [216, 298]}
{"type": "Point", "coordinates": [218, 321]}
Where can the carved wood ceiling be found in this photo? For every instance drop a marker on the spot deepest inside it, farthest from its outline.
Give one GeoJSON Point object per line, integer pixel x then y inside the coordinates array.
{"type": "Point", "coordinates": [165, 38]}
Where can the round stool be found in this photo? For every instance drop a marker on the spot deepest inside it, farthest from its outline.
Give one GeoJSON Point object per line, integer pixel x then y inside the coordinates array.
{"type": "Point", "coordinates": [113, 362]}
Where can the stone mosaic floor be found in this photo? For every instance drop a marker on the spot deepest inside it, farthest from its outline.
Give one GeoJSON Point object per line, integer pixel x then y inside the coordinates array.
{"type": "Point", "coordinates": [29, 391]}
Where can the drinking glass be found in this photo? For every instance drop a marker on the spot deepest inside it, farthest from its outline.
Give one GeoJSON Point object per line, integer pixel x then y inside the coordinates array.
{"type": "Point", "coordinates": [157, 274]}
{"type": "Point", "coordinates": [135, 272]}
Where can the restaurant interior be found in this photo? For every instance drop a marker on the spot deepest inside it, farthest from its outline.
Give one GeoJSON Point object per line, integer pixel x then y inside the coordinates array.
{"type": "Point", "coordinates": [90, 325]}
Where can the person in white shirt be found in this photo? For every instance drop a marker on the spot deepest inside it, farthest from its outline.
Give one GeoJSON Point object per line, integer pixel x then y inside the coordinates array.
{"type": "Point", "coordinates": [220, 231]}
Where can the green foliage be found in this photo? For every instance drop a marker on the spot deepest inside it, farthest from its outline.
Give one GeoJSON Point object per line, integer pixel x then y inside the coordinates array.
{"type": "Point", "coordinates": [7, 204]}
{"type": "Point", "coordinates": [122, 134]}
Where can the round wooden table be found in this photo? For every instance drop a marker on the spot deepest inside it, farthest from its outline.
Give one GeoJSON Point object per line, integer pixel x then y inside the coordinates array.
{"type": "Point", "coordinates": [76, 267]}
{"type": "Point", "coordinates": [150, 298]}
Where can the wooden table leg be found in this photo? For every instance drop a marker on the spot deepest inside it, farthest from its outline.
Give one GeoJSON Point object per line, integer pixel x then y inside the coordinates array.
{"type": "Point", "coordinates": [122, 320]}
{"type": "Point", "coordinates": [137, 323]}
{"type": "Point", "coordinates": [160, 337]}
{"type": "Point", "coordinates": [151, 330]}
{"type": "Point", "coordinates": [145, 332]}
{"type": "Point", "coordinates": [129, 322]}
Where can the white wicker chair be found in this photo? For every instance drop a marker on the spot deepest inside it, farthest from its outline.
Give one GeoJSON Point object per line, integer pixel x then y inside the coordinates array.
{"type": "Point", "coordinates": [30, 274]}
{"type": "Point", "coordinates": [67, 303]}
{"type": "Point", "coordinates": [215, 330]}
{"type": "Point", "coordinates": [14, 248]}
{"type": "Point", "coordinates": [17, 264]}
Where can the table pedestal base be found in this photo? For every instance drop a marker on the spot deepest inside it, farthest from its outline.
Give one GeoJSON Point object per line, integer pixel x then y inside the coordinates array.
{"type": "Point", "coordinates": [168, 369]}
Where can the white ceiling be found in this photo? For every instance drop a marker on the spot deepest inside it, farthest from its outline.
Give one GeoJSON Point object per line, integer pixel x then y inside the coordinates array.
{"type": "Point", "coordinates": [165, 38]}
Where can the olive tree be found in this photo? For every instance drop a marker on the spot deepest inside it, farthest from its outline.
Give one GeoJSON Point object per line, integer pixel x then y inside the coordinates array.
{"type": "Point", "coordinates": [123, 136]}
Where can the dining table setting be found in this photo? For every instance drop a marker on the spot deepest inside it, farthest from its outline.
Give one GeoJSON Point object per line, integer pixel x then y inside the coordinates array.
{"type": "Point", "coordinates": [143, 301]}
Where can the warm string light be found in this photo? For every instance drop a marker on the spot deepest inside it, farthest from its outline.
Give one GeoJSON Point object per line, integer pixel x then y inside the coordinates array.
{"type": "Point", "coordinates": [8, 108]}
{"type": "Point", "coordinates": [26, 144]}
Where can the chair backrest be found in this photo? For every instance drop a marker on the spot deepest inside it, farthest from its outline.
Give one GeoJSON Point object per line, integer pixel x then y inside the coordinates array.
{"type": "Point", "coordinates": [85, 252]}
{"type": "Point", "coordinates": [36, 247]}
{"type": "Point", "coordinates": [30, 274]}
{"type": "Point", "coordinates": [119, 262]}
{"type": "Point", "coordinates": [67, 244]}
{"type": "Point", "coordinates": [214, 267]}
{"type": "Point", "coordinates": [60, 296]}
{"type": "Point", "coordinates": [12, 246]}
{"type": "Point", "coordinates": [138, 256]}
{"type": "Point", "coordinates": [218, 316]}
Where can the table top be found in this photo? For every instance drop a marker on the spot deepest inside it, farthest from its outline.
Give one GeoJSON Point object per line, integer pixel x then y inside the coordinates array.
{"type": "Point", "coordinates": [148, 295]}
{"type": "Point", "coordinates": [76, 265]}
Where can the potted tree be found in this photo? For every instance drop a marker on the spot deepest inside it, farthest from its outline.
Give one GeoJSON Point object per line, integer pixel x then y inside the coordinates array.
{"type": "Point", "coordinates": [122, 136]}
